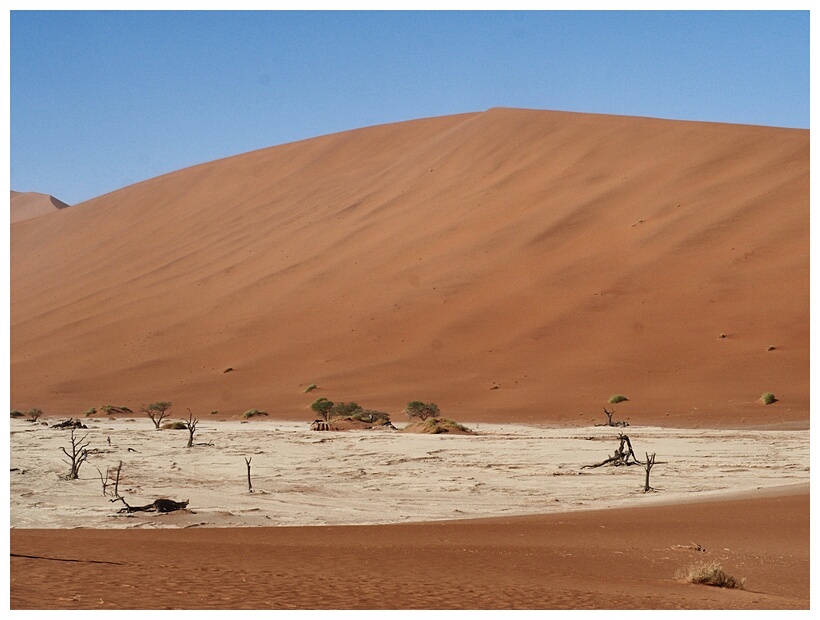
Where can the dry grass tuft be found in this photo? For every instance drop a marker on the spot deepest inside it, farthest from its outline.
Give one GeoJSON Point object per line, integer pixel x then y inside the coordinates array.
{"type": "Point", "coordinates": [709, 575]}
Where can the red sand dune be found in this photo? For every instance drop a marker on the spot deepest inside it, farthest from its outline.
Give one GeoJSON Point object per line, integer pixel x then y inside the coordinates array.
{"type": "Point", "coordinates": [558, 257]}
{"type": "Point", "coordinates": [28, 205]}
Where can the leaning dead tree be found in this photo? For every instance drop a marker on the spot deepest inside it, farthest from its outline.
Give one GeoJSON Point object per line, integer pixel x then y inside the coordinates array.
{"type": "Point", "coordinates": [622, 455]}
{"type": "Point", "coordinates": [77, 456]}
{"type": "Point", "coordinates": [609, 419]}
{"type": "Point", "coordinates": [650, 461]}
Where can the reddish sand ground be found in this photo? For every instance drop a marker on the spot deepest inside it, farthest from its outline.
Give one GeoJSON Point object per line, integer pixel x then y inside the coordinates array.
{"type": "Point", "coordinates": [511, 265]}
{"type": "Point", "coordinates": [614, 559]}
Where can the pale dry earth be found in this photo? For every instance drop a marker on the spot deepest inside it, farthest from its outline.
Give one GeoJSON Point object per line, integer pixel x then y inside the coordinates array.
{"type": "Point", "coordinates": [304, 477]}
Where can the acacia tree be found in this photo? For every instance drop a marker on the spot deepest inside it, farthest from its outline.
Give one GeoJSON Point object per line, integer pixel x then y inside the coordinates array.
{"type": "Point", "coordinates": [322, 407]}
{"type": "Point", "coordinates": [157, 412]}
{"type": "Point", "coordinates": [422, 411]}
{"type": "Point", "coordinates": [34, 414]}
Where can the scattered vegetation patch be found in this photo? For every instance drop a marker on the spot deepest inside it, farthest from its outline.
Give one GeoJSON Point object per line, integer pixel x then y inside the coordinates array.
{"type": "Point", "coordinates": [111, 409]}
{"type": "Point", "coordinates": [437, 426]}
{"type": "Point", "coordinates": [251, 413]}
{"type": "Point", "coordinates": [174, 426]}
{"type": "Point", "coordinates": [90, 411]}
{"type": "Point", "coordinates": [709, 575]}
{"type": "Point", "coordinates": [617, 398]}
{"type": "Point", "coordinates": [768, 398]}
{"type": "Point", "coordinates": [310, 388]}
{"type": "Point", "coordinates": [17, 414]}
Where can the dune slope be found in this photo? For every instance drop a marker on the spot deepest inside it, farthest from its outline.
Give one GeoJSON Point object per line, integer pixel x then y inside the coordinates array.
{"type": "Point", "coordinates": [507, 265]}
{"type": "Point", "coordinates": [27, 205]}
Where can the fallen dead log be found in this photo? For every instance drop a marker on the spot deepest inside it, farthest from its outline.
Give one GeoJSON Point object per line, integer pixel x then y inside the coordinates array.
{"type": "Point", "coordinates": [159, 505]}
{"type": "Point", "coordinates": [70, 423]}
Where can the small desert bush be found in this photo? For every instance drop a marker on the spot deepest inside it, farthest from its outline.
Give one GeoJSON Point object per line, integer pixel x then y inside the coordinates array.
{"type": "Point", "coordinates": [617, 398]}
{"type": "Point", "coordinates": [310, 388]}
{"type": "Point", "coordinates": [250, 413]}
{"type": "Point", "coordinates": [709, 575]}
{"type": "Point", "coordinates": [768, 398]}
{"type": "Point", "coordinates": [90, 411]}
{"type": "Point", "coordinates": [174, 426]}
{"type": "Point", "coordinates": [17, 414]}
{"type": "Point", "coordinates": [437, 426]}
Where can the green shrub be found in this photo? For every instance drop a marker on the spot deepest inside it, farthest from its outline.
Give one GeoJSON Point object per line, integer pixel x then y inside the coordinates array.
{"type": "Point", "coordinates": [710, 575]}
{"type": "Point", "coordinates": [17, 414]}
{"type": "Point", "coordinates": [90, 411]}
{"type": "Point", "coordinates": [768, 398]}
{"type": "Point", "coordinates": [253, 412]}
{"type": "Point", "coordinates": [345, 410]}
{"type": "Point", "coordinates": [310, 388]}
{"type": "Point", "coordinates": [617, 398]}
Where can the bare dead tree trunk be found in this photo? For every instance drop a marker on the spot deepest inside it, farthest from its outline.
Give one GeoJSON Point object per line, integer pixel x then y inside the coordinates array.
{"type": "Point", "coordinates": [190, 424]}
{"type": "Point", "coordinates": [650, 461]}
{"type": "Point", "coordinates": [608, 416]}
{"type": "Point", "coordinates": [79, 453]}
{"type": "Point", "coordinates": [104, 481]}
{"type": "Point", "coordinates": [117, 481]}
{"type": "Point", "coordinates": [248, 463]}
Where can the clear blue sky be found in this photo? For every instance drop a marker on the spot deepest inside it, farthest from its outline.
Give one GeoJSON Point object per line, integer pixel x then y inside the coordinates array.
{"type": "Point", "coordinates": [100, 100]}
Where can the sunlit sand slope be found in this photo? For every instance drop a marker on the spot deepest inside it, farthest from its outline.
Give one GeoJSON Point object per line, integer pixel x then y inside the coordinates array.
{"type": "Point", "coordinates": [507, 265]}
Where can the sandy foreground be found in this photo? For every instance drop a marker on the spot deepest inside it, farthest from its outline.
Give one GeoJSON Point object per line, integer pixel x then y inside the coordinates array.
{"type": "Point", "coordinates": [505, 519]}
{"type": "Point", "coordinates": [304, 477]}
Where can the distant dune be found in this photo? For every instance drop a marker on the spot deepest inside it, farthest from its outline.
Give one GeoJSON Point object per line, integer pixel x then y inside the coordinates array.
{"type": "Point", "coordinates": [508, 265]}
{"type": "Point", "coordinates": [27, 205]}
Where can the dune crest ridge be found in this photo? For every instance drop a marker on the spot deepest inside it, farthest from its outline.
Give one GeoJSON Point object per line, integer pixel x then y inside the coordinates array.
{"type": "Point", "coordinates": [508, 265]}
{"type": "Point", "coordinates": [28, 205]}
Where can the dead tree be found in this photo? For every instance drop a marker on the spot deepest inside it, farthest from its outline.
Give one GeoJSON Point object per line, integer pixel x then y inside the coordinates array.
{"type": "Point", "coordinates": [248, 463]}
{"type": "Point", "coordinates": [650, 461]}
{"type": "Point", "coordinates": [104, 479]}
{"type": "Point", "coordinates": [621, 456]}
{"type": "Point", "coordinates": [190, 424]}
{"type": "Point", "coordinates": [609, 419]}
{"type": "Point", "coordinates": [78, 455]}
